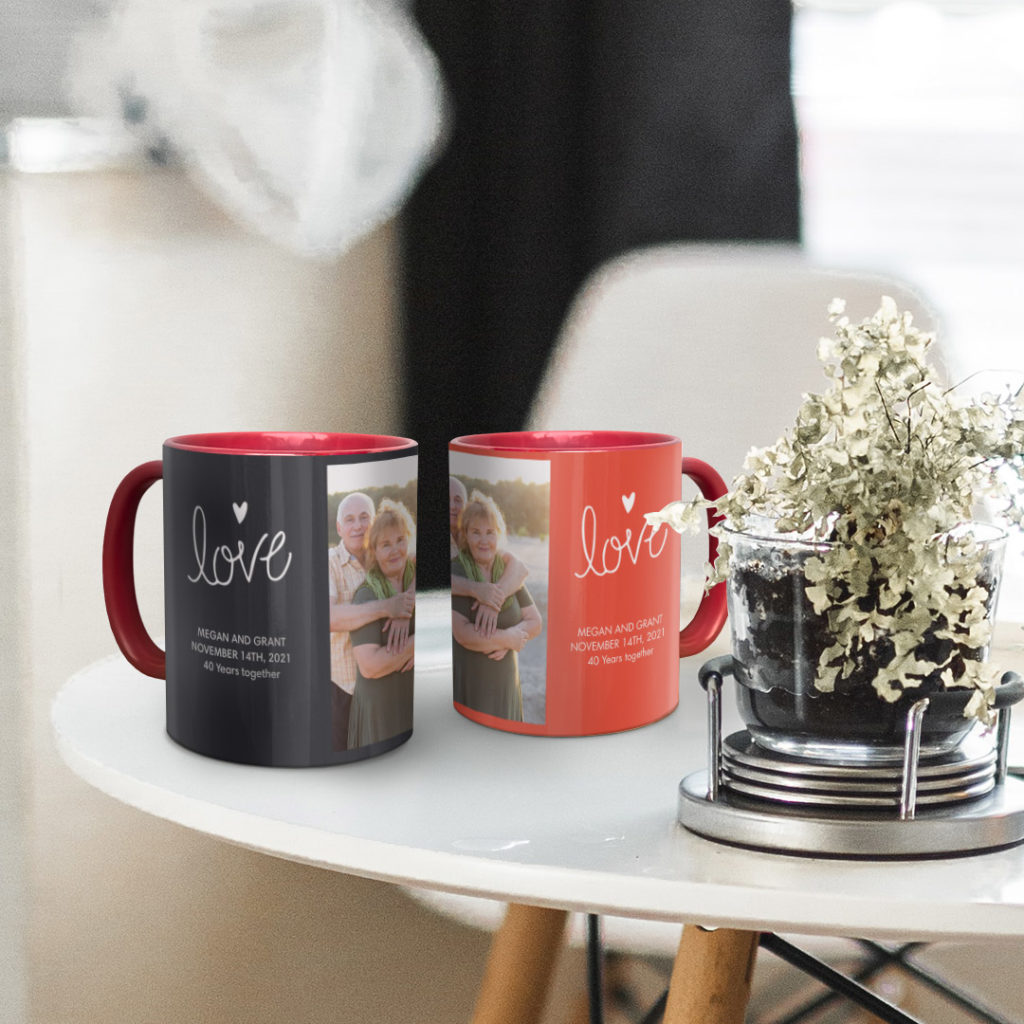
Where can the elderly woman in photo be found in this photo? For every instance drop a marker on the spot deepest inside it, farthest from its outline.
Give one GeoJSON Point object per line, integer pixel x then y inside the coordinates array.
{"type": "Point", "coordinates": [346, 570]}
{"type": "Point", "coordinates": [486, 668]}
{"type": "Point", "coordinates": [488, 596]}
{"type": "Point", "coordinates": [382, 701]}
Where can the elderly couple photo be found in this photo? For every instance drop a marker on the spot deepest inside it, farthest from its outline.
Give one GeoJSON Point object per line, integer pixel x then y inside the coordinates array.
{"type": "Point", "coordinates": [372, 580]}
{"type": "Point", "coordinates": [496, 619]}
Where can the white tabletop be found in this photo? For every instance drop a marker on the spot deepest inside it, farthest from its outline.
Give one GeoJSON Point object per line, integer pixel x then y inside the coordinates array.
{"type": "Point", "coordinates": [585, 824]}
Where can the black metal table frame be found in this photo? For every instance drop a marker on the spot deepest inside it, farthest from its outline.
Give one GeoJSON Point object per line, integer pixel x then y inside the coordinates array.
{"type": "Point", "coordinates": [837, 984]}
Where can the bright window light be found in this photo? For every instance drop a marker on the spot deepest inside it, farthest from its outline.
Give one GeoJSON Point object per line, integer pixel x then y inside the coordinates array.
{"type": "Point", "coordinates": [911, 120]}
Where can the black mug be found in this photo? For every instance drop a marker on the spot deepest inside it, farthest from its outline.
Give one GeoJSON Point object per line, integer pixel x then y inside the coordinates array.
{"type": "Point", "coordinates": [289, 584]}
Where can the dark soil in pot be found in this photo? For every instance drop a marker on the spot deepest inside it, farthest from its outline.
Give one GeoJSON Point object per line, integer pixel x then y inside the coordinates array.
{"type": "Point", "coordinates": [778, 639]}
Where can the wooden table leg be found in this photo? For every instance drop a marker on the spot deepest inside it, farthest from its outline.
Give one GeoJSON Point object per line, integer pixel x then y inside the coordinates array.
{"type": "Point", "coordinates": [711, 977]}
{"type": "Point", "coordinates": [520, 965]}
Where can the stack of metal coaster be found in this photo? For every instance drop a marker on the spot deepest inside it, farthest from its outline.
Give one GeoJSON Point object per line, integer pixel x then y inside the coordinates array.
{"type": "Point", "coordinates": [754, 772]}
{"type": "Point", "coordinates": [929, 805]}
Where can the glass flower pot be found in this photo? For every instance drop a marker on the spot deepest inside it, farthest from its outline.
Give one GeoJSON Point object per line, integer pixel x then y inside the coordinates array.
{"type": "Point", "coordinates": [778, 639]}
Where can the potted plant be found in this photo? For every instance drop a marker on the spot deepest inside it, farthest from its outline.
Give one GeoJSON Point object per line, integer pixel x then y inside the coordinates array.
{"type": "Point", "coordinates": [859, 579]}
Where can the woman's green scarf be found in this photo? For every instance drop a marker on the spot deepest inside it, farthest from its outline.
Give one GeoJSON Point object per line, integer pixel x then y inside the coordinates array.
{"type": "Point", "coordinates": [474, 572]}
{"type": "Point", "coordinates": [382, 587]}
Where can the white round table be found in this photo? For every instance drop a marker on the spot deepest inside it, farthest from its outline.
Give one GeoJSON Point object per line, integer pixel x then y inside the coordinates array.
{"type": "Point", "coordinates": [575, 824]}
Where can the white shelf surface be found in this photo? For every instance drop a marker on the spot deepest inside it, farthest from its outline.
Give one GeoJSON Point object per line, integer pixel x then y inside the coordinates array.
{"type": "Point", "coordinates": [586, 824]}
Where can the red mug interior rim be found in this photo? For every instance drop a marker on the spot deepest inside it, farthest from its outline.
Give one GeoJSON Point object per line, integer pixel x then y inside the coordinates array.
{"type": "Point", "coordinates": [563, 440]}
{"type": "Point", "coordinates": [288, 442]}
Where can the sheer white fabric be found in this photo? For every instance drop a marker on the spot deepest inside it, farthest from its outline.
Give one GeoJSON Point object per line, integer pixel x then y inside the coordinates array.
{"type": "Point", "coordinates": [307, 120]}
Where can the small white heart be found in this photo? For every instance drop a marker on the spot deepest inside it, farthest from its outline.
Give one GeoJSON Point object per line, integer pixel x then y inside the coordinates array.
{"type": "Point", "coordinates": [627, 501]}
{"type": "Point", "coordinates": [240, 510]}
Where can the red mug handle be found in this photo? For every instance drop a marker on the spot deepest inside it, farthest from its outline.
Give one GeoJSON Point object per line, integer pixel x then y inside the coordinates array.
{"type": "Point", "coordinates": [707, 623]}
{"type": "Point", "coordinates": [119, 572]}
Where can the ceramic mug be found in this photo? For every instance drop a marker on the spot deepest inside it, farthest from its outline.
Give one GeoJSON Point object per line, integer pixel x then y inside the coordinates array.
{"type": "Point", "coordinates": [289, 586]}
{"type": "Point", "coordinates": [565, 601]}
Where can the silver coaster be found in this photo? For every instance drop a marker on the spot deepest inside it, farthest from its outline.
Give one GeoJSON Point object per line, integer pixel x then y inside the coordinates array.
{"type": "Point", "coordinates": [975, 752]}
{"type": "Point", "coordinates": [985, 823]}
{"type": "Point", "coordinates": [828, 798]}
{"type": "Point", "coordinates": [874, 786]}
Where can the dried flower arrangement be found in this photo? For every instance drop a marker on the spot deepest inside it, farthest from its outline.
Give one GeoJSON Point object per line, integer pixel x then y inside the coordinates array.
{"type": "Point", "coordinates": [886, 467]}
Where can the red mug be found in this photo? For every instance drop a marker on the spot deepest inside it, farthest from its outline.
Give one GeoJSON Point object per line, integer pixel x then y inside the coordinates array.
{"type": "Point", "coordinates": [565, 601]}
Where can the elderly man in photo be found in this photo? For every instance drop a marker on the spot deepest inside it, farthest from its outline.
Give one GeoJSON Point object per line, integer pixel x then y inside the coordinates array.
{"type": "Point", "coordinates": [346, 571]}
{"type": "Point", "coordinates": [489, 597]}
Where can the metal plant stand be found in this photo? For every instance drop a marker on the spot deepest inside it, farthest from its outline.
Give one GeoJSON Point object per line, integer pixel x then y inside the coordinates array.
{"type": "Point", "coordinates": [957, 803]}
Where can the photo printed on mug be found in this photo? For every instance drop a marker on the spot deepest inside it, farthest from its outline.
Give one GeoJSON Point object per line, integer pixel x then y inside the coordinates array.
{"type": "Point", "coordinates": [371, 561]}
{"type": "Point", "coordinates": [565, 600]}
{"type": "Point", "coordinates": [499, 518]}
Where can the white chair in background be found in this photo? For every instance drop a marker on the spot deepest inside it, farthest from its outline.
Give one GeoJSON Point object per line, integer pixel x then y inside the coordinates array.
{"type": "Point", "coordinates": [714, 343]}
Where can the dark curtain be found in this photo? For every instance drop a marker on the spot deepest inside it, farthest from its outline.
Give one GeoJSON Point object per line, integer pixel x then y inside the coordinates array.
{"type": "Point", "coordinates": [579, 129]}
